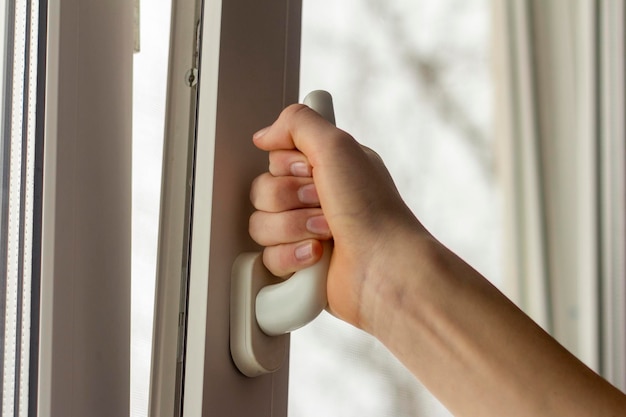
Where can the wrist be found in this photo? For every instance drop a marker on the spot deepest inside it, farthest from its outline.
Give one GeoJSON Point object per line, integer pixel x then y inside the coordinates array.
{"type": "Point", "coordinates": [395, 280]}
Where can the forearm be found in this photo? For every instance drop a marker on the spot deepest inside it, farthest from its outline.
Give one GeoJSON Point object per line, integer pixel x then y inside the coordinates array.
{"type": "Point", "coordinates": [478, 353]}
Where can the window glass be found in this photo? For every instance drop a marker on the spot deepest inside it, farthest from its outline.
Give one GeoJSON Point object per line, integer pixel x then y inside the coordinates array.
{"type": "Point", "coordinates": [18, 81]}
{"type": "Point", "coordinates": [149, 88]}
{"type": "Point", "coordinates": [410, 79]}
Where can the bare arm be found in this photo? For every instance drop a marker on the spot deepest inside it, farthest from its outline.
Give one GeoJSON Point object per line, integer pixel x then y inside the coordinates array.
{"type": "Point", "coordinates": [474, 350]}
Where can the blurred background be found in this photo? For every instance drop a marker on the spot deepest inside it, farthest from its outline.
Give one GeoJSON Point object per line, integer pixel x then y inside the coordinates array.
{"type": "Point", "coordinates": [412, 80]}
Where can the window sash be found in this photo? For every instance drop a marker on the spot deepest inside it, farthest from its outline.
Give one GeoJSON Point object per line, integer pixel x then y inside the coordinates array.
{"type": "Point", "coordinates": [249, 71]}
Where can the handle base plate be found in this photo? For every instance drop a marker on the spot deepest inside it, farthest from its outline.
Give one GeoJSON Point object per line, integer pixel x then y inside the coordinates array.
{"type": "Point", "coordinates": [253, 352]}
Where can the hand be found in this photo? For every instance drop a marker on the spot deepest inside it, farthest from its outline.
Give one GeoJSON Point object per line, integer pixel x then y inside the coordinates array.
{"type": "Point", "coordinates": [322, 184]}
{"type": "Point", "coordinates": [455, 331]}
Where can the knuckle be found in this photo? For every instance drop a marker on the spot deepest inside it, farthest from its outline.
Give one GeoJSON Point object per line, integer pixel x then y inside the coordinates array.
{"type": "Point", "coordinates": [278, 193]}
{"type": "Point", "coordinates": [293, 110]}
{"type": "Point", "coordinates": [372, 154]}
{"type": "Point", "coordinates": [266, 193]}
{"type": "Point", "coordinates": [276, 261]}
{"type": "Point", "coordinates": [278, 228]}
{"type": "Point", "coordinates": [253, 226]}
{"type": "Point", "coordinates": [255, 189]}
{"type": "Point", "coordinates": [279, 163]}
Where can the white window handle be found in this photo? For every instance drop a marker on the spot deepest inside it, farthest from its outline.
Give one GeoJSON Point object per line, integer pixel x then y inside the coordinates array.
{"type": "Point", "coordinates": [265, 308]}
{"type": "Point", "coordinates": [284, 307]}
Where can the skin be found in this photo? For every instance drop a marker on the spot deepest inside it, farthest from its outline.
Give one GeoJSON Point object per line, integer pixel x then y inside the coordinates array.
{"type": "Point", "coordinates": [466, 342]}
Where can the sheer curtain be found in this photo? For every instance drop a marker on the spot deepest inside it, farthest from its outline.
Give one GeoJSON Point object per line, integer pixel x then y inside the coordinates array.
{"type": "Point", "coordinates": [560, 122]}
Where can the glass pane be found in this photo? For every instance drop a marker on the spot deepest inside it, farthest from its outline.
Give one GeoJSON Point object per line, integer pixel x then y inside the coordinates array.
{"type": "Point", "coordinates": [410, 79]}
{"type": "Point", "coordinates": [19, 22]}
{"type": "Point", "coordinates": [150, 76]}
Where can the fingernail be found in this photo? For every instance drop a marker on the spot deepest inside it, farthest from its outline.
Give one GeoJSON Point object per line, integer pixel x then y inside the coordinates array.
{"type": "Point", "coordinates": [307, 194]}
{"type": "Point", "coordinates": [260, 133]}
{"type": "Point", "coordinates": [304, 252]}
{"type": "Point", "coordinates": [318, 225]}
{"type": "Point", "coordinates": [300, 169]}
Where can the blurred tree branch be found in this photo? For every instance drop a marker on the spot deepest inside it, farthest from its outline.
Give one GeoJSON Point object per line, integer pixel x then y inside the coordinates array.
{"type": "Point", "coordinates": [427, 75]}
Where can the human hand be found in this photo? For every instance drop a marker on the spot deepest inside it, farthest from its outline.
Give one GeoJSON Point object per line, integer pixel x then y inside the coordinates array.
{"type": "Point", "coordinates": [322, 184]}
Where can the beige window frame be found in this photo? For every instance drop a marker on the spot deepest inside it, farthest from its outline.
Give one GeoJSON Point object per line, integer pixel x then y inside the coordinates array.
{"type": "Point", "coordinates": [84, 351]}
{"type": "Point", "coordinates": [247, 72]}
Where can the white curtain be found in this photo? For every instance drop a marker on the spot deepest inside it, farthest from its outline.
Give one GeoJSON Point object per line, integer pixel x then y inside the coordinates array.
{"type": "Point", "coordinates": [559, 67]}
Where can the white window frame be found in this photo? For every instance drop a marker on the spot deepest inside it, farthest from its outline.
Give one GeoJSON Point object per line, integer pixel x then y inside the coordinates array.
{"type": "Point", "coordinates": [249, 71]}
{"type": "Point", "coordinates": [84, 351]}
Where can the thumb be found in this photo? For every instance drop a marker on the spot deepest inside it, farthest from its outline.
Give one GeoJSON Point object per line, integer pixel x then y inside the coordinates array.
{"type": "Point", "coordinates": [299, 127]}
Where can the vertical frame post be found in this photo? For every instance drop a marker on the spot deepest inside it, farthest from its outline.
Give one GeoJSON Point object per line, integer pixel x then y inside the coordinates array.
{"type": "Point", "coordinates": [84, 361]}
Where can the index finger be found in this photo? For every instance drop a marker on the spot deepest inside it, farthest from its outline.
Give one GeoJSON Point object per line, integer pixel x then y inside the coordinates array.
{"type": "Point", "coordinates": [289, 162]}
{"type": "Point", "coordinates": [299, 127]}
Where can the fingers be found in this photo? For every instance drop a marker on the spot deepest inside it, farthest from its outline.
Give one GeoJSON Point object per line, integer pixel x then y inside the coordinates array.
{"type": "Point", "coordinates": [279, 134]}
{"type": "Point", "coordinates": [288, 220]}
{"type": "Point", "coordinates": [289, 163]}
{"type": "Point", "coordinates": [276, 194]}
{"type": "Point", "coordinates": [299, 127]}
{"type": "Point", "coordinates": [282, 260]}
{"type": "Point", "coordinates": [291, 239]}
{"type": "Point", "coordinates": [270, 229]}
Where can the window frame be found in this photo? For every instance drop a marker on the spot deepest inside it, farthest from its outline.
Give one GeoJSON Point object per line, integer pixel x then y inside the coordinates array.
{"type": "Point", "coordinates": [84, 329]}
{"type": "Point", "coordinates": [174, 219]}
{"type": "Point", "coordinates": [85, 282]}
{"type": "Point", "coordinates": [238, 39]}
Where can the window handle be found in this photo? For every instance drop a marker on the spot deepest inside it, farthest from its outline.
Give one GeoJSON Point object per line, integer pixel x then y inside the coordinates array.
{"type": "Point", "coordinates": [264, 308]}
